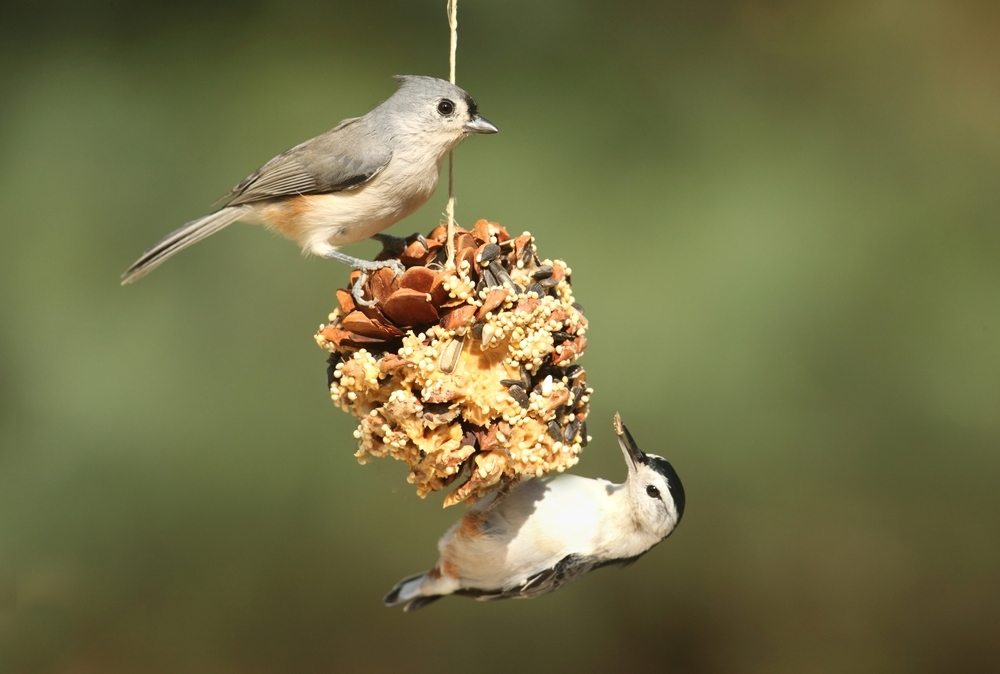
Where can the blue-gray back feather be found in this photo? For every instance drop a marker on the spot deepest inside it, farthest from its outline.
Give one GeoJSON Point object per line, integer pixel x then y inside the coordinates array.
{"type": "Point", "coordinates": [346, 157]}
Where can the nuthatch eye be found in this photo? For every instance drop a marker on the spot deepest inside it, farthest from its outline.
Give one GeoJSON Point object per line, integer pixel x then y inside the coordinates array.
{"type": "Point", "coordinates": [544, 533]}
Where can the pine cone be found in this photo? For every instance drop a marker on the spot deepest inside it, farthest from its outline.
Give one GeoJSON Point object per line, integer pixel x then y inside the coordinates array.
{"type": "Point", "coordinates": [466, 373]}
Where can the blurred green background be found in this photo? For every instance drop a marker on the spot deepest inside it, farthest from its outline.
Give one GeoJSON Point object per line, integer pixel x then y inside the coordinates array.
{"type": "Point", "coordinates": [782, 220]}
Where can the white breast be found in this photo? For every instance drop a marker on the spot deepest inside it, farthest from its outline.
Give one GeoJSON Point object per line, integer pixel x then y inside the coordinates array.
{"type": "Point", "coordinates": [532, 529]}
{"type": "Point", "coordinates": [321, 222]}
{"type": "Point", "coordinates": [340, 218]}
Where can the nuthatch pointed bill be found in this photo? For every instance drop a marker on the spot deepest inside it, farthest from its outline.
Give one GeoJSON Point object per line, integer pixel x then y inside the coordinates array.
{"type": "Point", "coordinates": [546, 532]}
{"type": "Point", "coordinates": [349, 183]}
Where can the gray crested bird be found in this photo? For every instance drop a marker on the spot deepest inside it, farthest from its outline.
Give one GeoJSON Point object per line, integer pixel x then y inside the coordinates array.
{"type": "Point", "coordinates": [546, 532]}
{"type": "Point", "coordinates": [347, 184]}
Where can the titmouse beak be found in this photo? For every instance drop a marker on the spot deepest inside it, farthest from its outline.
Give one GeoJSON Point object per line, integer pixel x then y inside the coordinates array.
{"type": "Point", "coordinates": [634, 456]}
{"type": "Point", "coordinates": [479, 124]}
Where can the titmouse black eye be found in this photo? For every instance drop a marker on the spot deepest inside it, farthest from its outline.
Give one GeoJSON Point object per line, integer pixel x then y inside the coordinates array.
{"type": "Point", "coordinates": [652, 492]}
{"type": "Point", "coordinates": [446, 107]}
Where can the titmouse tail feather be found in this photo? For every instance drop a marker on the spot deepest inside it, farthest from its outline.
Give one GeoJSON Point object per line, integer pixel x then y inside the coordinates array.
{"type": "Point", "coordinates": [407, 592]}
{"type": "Point", "coordinates": [421, 602]}
{"type": "Point", "coordinates": [181, 238]}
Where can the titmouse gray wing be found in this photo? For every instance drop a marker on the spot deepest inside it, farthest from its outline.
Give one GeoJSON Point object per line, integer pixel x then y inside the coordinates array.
{"type": "Point", "coordinates": [343, 158]}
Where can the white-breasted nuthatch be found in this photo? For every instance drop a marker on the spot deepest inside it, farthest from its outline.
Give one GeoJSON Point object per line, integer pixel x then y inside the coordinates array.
{"type": "Point", "coordinates": [349, 183]}
{"type": "Point", "coordinates": [546, 532]}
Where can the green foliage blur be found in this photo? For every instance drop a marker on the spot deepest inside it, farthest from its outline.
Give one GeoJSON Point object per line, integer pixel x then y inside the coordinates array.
{"type": "Point", "coordinates": [781, 219]}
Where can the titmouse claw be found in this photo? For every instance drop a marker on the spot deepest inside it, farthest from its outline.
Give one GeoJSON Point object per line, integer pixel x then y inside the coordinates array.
{"type": "Point", "coordinates": [358, 291]}
{"type": "Point", "coordinates": [365, 267]}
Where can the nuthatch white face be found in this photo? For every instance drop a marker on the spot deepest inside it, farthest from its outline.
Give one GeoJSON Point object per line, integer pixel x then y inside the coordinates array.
{"type": "Point", "coordinates": [546, 532]}
{"type": "Point", "coordinates": [347, 184]}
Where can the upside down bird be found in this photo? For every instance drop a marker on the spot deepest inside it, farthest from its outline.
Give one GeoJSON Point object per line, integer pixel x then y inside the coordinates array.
{"type": "Point", "coordinates": [546, 532]}
{"type": "Point", "coordinates": [349, 183]}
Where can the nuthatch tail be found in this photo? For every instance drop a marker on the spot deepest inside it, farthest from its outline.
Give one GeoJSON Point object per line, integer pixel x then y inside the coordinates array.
{"type": "Point", "coordinates": [544, 533]}
{"type": "Point", "coordinates": [347, 184]}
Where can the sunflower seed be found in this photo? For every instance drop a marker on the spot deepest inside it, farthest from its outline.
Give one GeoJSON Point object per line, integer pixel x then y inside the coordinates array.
{"type": "Point", "coordinates": [547, 370]}
{"type": "Point", "coordinates": [527, 254]}
{"type": "Point", "coordinates": [477, 331]}
{"type": "Point", "coordinates": [501, 275]}
{"type": "Point", "coordinates": [525, 379]}
{"type": "Point", "coordinates": [546, 386]}
{"type": "Point", "coordinates": [449, 356]}
{"type": "Point", "coordinates": [520, 395]}
{"type": "Point", "coordinates": [488, 333]}
{"type": "Point", "coordinates": [543, 272]}
{"type": "Point", "coordinates": [490, 252]}
{"type": "Point", "coordinates": [570, 434]}
{"type": "Point", "coordinates": [555, 431]}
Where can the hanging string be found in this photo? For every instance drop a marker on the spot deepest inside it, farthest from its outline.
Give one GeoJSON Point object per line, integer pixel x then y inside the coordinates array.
{"type": "Point", "coordinates": [450, 208]}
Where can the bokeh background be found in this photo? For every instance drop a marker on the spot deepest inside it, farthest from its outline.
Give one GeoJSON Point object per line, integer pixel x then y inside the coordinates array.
{"type": "Point", "coordinates": [782, 220]}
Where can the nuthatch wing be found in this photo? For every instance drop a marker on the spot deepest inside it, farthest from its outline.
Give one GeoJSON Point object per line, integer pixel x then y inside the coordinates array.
{"type": "Point", "coordinates": [546, 532]}
{"type": "Point", "coordinates": [349, 183]}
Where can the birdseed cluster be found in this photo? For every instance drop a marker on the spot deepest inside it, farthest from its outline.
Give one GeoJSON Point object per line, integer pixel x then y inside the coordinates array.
{"type": "Point", "coordinates": [466, 374]}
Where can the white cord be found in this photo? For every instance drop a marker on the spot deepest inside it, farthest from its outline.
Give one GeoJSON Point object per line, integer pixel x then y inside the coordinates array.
{"type": "Point", "coordinates": [450, 207]}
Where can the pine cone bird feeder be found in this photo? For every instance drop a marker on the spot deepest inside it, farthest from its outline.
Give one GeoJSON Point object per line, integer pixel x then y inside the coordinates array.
{"type": "Point", "coordinates": [466, 374]}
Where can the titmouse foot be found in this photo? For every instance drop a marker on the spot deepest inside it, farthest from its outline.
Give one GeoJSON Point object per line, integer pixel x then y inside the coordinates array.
{"type": "Point", "coordinates": [358, 290]}
{"type": "Point", "coordinates": [395, 245]}
{"type": "Point", "coordinates": [365, 267]}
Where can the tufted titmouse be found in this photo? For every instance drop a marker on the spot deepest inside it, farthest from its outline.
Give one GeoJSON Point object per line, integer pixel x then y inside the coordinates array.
{"type": "Point", "coordinates": [546, 532]}
{"type": "Point", "coordinates": [349, 183]}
